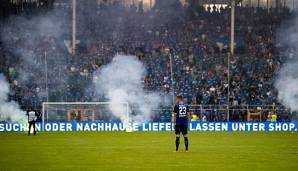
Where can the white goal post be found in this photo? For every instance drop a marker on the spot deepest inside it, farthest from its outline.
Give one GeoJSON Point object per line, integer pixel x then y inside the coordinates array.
{"type": "Point", "coordinates": [80, 111]}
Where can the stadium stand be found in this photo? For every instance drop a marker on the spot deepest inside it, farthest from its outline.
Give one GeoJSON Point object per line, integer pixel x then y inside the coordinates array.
{"type": "Point", "coordinates": [196, 39]}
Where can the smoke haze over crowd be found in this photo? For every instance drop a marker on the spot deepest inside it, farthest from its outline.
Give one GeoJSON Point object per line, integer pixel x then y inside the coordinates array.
{"type": "Point", "coordinates": [9, 110]}
{"type": "Point", "coordinates": [122, 80]}
{"type": "Point", "coordinates": [287, 81]}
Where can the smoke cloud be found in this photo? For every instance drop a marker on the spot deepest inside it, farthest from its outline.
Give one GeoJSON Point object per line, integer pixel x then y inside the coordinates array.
{"type": "Point", "coordinates": [287, 80]}
{"type": "Point", "coordinates": [27, 40]}
{"type": "Point", "coordinates": [9, 110]}
{"type": "Point", "coordinates": [122, 81]}
{"type": "Point", "coordinates": [287, 85]}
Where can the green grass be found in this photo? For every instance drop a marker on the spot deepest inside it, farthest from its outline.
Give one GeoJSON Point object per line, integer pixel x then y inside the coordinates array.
{"type": "Point", "coordinates": [148, 151]}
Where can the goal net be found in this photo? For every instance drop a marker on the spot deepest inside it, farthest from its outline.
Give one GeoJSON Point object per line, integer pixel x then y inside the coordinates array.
{"type": "Point", "coordinates": [82, 112]}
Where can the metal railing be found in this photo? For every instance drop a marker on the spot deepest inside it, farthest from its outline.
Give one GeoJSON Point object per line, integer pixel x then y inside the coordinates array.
{"type": "Point", "coordinates": [225, 113]}
{"type": "Point", "coordinates": [236, 113]}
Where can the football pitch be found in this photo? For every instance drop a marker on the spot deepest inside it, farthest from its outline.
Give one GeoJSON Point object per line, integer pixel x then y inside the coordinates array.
{"type": "Point", "coordinates": [148, 151]}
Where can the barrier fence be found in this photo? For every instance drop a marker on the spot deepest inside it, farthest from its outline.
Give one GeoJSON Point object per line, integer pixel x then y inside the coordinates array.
{"type": "Point", "coordinates": [208, 113]}
{"type": "Point", "coordinates": [248, 113]}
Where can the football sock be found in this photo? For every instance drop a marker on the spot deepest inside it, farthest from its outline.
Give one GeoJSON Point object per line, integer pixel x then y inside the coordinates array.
{"type": "Point", "coordinates": [186, 143]}
{"type": "Point", "coordinates": [177, 143]}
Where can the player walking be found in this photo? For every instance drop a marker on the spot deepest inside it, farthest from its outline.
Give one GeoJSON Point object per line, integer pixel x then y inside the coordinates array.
{"type": "Point", "coordinates": [31, 120]}
{"type": "Point", "coordinates": [181, 117]}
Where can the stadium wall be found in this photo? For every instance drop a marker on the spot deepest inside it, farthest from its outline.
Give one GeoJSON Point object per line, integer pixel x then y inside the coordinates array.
{"type": "Point", "coordinates": [154, 126]}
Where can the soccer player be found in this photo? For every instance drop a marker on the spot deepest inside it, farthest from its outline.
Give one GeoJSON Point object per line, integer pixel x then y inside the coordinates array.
{"type": "Point", "coordinates": [181, 117]}
{"type": "Point", "coordinates": [31, 120]}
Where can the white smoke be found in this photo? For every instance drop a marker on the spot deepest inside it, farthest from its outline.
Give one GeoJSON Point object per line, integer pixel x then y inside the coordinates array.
{"type": "Point", "coordinates": [287, 85]}
{"type": "Point", "coordinates": [122, 81]}
{"type": "Point", "coordinates": [27, 39]}
{"type": "Point", "coordinates": [9, 110]}
{"type": "Point", "coordinates": [287, 80]}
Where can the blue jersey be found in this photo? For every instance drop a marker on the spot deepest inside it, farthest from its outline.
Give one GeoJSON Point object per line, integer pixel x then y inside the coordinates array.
{"type": "Point", "coordinates": [181, 111]}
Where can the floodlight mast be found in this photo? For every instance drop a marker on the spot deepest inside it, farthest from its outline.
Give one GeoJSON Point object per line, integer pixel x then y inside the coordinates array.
{"type": "Point", "coordinates": [172, 79]}
{"type": "Point", "coordinates": [46, 75]}
{"type": "Point", "coordinates": [231, 52]}
{"type": "Point", "coordinates": [74, 31]}
{"type": "Point", "coordinates": [232, 26]}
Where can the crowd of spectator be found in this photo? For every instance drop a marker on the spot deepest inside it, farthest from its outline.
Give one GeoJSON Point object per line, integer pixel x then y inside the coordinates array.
{"type": "Point", "coordinates": [193, 40]}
